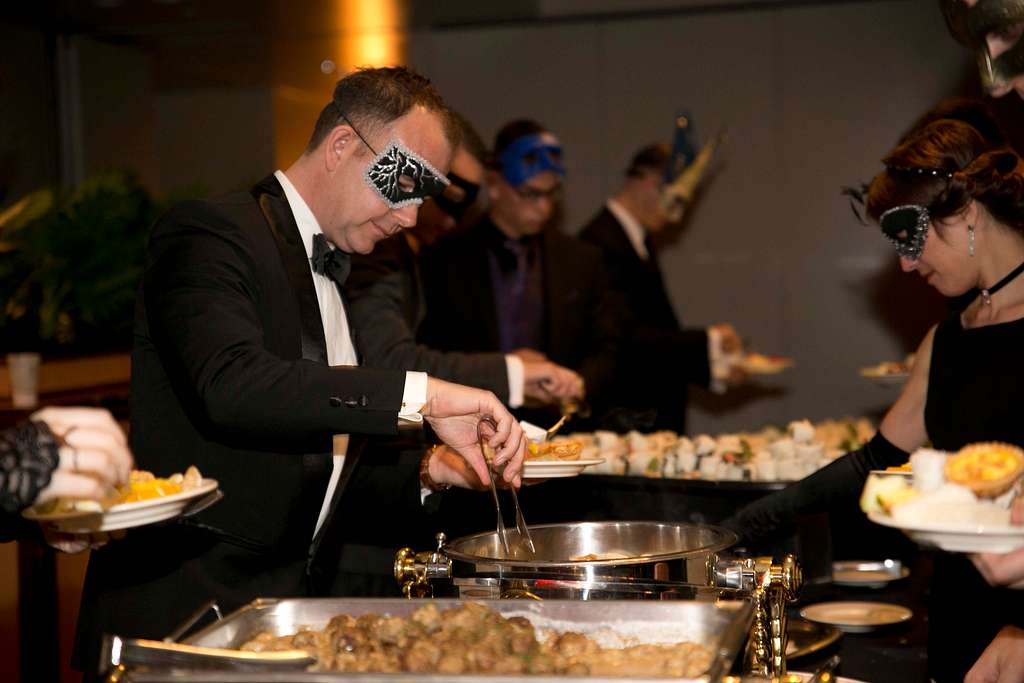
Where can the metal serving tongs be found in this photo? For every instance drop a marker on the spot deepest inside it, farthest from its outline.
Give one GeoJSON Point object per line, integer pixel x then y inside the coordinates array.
{"type": "Point", "coordinates": [484, 428]}
{"type": "Point", "coordinates": [129, 653]}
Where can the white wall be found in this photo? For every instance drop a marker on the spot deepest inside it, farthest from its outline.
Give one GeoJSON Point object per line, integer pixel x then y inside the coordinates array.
{"type": "Point", "coordinates": [812, 95]}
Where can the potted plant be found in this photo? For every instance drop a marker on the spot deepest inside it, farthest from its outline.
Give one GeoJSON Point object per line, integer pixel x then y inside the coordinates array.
{"type": "Point", "coordinates": [70, 264]}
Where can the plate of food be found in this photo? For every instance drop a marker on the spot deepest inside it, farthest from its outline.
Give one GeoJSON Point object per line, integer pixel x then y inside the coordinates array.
{"type": "Point", "coordinates": [957, 502]}
{"type": "Point", "coordinates": [146, 499]}
{"type": "Point", "coordinates": [868, 573]}
{"type": "Point", "coordinates": [856, 616]}
{"type": "Point", "coordinates": [558, 458]}
{"type": "Point", "coordinates": [763, 364]}
{"type": "Point", "coordinates": [889, 372]}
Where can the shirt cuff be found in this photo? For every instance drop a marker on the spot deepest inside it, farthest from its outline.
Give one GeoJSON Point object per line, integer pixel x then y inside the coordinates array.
{"type": "Point", "coordinates": [516, 380]}
{"type": "Point", "coordinates": [414, 397]}
{"type": "Point", "coordinates": [719, 361]}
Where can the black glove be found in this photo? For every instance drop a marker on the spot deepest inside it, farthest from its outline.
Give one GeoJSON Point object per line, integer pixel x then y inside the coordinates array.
{"type": "Point", "coordinates": [835, 487]}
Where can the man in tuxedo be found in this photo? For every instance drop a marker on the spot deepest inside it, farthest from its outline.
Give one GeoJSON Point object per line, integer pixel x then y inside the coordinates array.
{"type": "Point", "coordinates": [660, 357]}
{"type": "Point", "coordinates": [528, 289]}
{"type": "Point", "coordinates": [387, 303]}
{"type": "Point", "coordinates": [244, 365]}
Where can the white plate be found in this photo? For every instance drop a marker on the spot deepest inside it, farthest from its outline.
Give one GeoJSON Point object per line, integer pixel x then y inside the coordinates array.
{"type": "Point", "coordinates": [124, 516]}
{"type": "Point", "coordinates": [553, 469]}
{"type": "Point", "coordinates": [867, 574]}
{"type": "Point", "coordinates": [856, 617]}
{"type": "Point", "coordinates": [959, 538]}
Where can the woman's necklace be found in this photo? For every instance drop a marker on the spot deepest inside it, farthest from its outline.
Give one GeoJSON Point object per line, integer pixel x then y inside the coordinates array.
{"type": "Point", "coordinates": [987, 292]}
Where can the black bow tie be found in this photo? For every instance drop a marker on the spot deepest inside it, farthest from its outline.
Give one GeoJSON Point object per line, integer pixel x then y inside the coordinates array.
{"type": "Point", "coordinates": [334, 263]}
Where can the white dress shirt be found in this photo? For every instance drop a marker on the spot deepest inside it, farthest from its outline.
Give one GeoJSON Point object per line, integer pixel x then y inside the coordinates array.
{"type": "Point", "coordinates": [340, 350]}
{"type": "Point", "coordinates": [634, 230]}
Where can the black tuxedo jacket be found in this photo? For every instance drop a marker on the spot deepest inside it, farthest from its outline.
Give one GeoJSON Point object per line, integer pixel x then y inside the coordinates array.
{"type": "Point", "coordinates": [657, 350]}
{"type": "Point", "coordinates": [581, 329]}
{"type": "Point", "coordinates": [229, 373]}
{"type": "Point", "coordinates": [387, 305]}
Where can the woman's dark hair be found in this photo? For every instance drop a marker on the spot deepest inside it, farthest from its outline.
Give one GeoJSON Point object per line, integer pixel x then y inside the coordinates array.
{"type": "Point", "coordinates": [943, 164]}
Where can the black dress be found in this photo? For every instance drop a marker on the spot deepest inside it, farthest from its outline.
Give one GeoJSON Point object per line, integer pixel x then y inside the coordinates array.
{"type": "Point", "coordinates": [975, 393]}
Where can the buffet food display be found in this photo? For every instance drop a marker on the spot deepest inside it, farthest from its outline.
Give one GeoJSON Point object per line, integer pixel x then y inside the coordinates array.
{"type": "Point", "coordinates": [473, 638]}
{"type": "Point", "coordinates": [771, 454]}
{"type": "Point", "coordinates": [638, 640]}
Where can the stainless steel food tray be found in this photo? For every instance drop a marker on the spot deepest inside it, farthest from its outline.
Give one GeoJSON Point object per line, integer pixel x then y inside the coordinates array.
{"type": "Point", "coordinates": [720, 625]}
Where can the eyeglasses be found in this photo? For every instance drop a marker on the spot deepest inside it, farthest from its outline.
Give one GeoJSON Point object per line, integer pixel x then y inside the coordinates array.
{"type": "Point", "coordinates": [398, 175]}
{"type": "Point", "coordinates": [532, 194]}
{"type": "Point", "coordinates": [906, 227]}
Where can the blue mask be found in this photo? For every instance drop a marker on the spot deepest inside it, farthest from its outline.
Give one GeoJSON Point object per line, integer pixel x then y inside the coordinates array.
{"type": "Point", "coordinates": [530, 155]}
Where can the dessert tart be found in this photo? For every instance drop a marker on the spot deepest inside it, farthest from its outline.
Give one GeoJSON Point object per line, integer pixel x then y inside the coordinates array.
{"type": "Point", "coordinates": [988, 469]}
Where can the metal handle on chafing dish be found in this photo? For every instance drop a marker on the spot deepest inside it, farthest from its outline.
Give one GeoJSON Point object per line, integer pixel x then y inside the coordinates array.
{"type": "Point", "coordinates": [413, 570]}
{"type": "Point", "coordinates": [771, 586]}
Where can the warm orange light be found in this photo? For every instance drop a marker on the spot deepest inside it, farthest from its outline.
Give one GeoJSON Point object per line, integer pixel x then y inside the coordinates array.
{"type": "Point", "coordinates": [345, 33]}
{"type": "Point", "coordinates": [370, 32]}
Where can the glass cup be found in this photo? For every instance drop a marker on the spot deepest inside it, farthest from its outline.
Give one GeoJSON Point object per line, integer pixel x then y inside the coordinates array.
{"type": "Point", "coordinates": [24, 373]}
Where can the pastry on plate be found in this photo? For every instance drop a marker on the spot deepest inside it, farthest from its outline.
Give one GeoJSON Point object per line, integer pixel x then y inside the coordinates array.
{"type": "Point", "coordinates": [988, 469]}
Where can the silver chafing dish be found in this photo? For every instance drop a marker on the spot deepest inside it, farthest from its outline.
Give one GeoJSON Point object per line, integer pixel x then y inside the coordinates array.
{"type": "Point", "coordinates": [619, 561]}
{"type": "Point", "coordinates": [720, 625]}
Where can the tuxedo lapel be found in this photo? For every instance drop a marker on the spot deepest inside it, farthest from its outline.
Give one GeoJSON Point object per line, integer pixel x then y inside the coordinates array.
{"type": "Point", "coordinates": [278, 214]}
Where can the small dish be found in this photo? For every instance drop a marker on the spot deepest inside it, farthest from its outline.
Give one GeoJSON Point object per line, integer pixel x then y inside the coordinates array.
{"type": "Point", "coordinates": [868, 574]}
{"type": "Point", "coordinates": [125, 515]}
{"type": "Point", "coordinates": [856, 617]}
{"type": "Point", "coordinates": [807, 637]}
{"type": "Point", "coordinates": [557, 469]}
{"type": "Point", "coordinates": [887, 372]}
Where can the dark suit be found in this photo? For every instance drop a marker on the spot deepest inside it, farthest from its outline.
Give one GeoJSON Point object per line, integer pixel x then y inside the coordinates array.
{"type": "Point", "coordinates": [580, 328]}
{"type": "Point", "coordinates": [660, 357]}
{"type": "Point", "coordinates": [229, 372]}
{"type": "Point", "coordinates": [386, 307]}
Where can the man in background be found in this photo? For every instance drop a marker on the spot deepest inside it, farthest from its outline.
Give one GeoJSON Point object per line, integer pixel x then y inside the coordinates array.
{"type": "Point", "coordinates": [660, 357]}
{"type": "Point", "coordinates": [527, 288]}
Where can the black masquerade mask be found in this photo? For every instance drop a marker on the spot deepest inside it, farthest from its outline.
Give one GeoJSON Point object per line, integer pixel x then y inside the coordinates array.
{"type": "Point", "coordinates": [907, 228]}
{"type": "Point", "coordinates": [458, 197]}
{"type": "Point", "coordinates": [399, 175]}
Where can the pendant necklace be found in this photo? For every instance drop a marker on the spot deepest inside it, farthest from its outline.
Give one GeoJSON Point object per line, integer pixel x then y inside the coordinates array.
{"type": "Point", "coordinates": [987, 292]}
